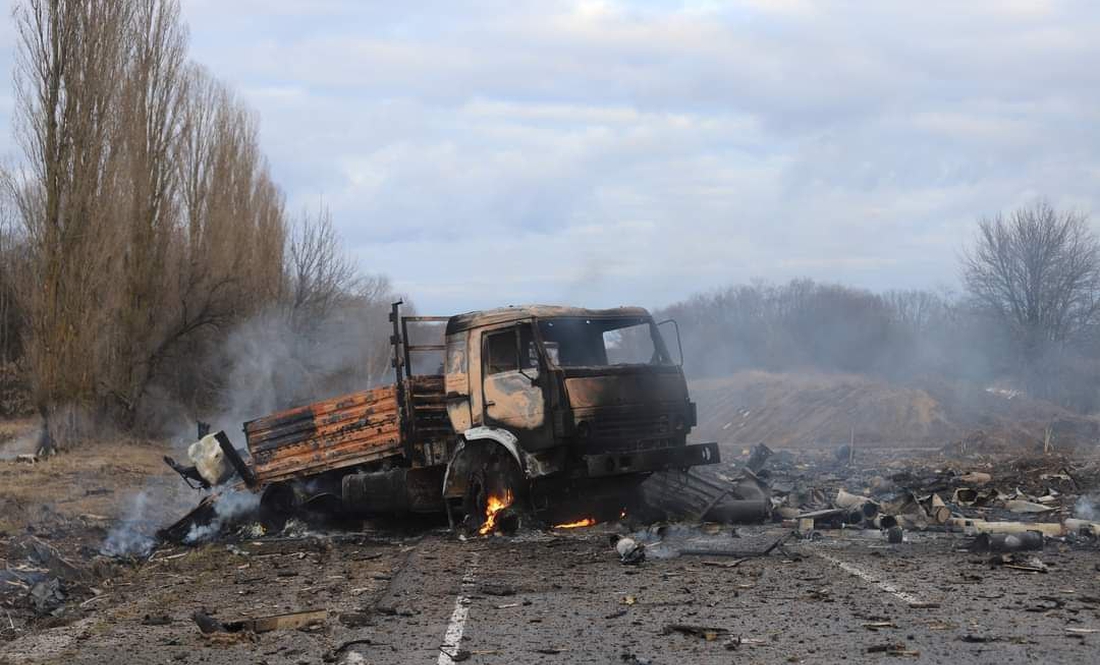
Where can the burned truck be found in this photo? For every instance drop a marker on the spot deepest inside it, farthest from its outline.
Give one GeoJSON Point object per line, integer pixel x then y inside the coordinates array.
{"type": "Point", "coordinates": [531, 407]}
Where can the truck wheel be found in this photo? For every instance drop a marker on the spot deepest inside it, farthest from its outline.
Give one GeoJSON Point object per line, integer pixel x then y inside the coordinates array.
{"type": "Point", "coordinates": [494, 477]}
{"type": "Point", "coordinates": [278, 503]}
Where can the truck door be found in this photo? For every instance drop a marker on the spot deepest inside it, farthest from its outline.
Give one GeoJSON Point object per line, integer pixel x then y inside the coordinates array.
{"type": "Point", "coordinates": [512, 387]}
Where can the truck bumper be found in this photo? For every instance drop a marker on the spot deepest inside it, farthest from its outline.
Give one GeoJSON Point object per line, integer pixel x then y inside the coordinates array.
{"type": "Point", "coordinates": [680, 457]}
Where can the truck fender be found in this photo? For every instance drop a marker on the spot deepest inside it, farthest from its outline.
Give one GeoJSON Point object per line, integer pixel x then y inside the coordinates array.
{"type": "Point", "coordinates": [500, 437]}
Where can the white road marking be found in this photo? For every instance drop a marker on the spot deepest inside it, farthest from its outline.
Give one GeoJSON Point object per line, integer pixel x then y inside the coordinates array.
{"type": "Point", "coordinates": [907, 598]}
{"type": "Point", "coordinates": [452, 639]}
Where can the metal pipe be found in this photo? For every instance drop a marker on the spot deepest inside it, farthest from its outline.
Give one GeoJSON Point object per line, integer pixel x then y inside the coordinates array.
{"type": "Point", "coordinates": [739, 511]}
{"type": "Point", "coordinates": [1008, 542]}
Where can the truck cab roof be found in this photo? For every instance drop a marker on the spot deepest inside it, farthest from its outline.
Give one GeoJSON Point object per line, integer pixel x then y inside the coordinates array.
{"type": "Point", "coordinates": [462, 322]}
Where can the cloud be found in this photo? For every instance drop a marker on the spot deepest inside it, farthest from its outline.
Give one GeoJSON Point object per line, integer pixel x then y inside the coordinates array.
{"type": "Point", "coordinates": [608, 152]}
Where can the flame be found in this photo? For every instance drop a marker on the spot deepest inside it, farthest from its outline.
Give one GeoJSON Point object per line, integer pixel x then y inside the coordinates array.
{"type": "Point", "coordinates": [588, 521]}
{"type": "Point", "coordinates": [622, 515]}
{"type": "Point", "coordinates": [494, 505]}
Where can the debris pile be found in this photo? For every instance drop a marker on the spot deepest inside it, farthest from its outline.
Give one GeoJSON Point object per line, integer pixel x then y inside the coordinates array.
{"type": "Point", "coordinates": [1007, 503]}
{"type": "Point", "coordinates": [37, 577]}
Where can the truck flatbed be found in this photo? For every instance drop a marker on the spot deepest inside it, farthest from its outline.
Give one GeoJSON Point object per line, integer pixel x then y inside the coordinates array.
{"type": "Point", "coordinates": [349, 430]}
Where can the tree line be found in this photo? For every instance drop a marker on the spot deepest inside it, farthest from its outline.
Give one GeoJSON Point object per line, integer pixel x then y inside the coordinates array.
{"type": "Point", "coordinates": [1028, 317]}
{"type": "Point", "coordinates": [142, 225]}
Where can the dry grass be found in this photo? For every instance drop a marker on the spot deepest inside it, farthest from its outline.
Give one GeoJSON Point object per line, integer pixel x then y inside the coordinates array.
{"type": "Point", "coordinates": [10, 429]}
{"type": "Point", "coordinates": [90, 485]}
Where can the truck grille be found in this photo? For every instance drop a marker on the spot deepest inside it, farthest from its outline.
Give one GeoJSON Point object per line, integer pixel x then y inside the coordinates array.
{"type": "Point", "coordinates": [630, 431]}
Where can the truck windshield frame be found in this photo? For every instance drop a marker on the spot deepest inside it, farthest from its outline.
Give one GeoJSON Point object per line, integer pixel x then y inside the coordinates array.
{"type": "Point", "coordinates": [583, 341]}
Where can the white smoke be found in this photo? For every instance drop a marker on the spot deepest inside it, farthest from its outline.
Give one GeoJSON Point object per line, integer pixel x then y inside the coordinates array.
{"type": "Point", "coordinates": [228, 508]}
{"type": "Point", "coordinates": [128, 538]}
{"type": "Point", "coordinates": [24, 444]}
{"type": "Point", "coordinates": [277, 360]}
{"type": "Point", "coordinates": [161, 501]}
{"type": "Point", "coordinates": [1086, 508]}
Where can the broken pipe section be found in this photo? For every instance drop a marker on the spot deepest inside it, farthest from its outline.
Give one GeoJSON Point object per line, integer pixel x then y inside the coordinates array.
{"type": "Point", "coordinates": [859, 508]}
{"type": "Point", "coordinates": [1008, 542]}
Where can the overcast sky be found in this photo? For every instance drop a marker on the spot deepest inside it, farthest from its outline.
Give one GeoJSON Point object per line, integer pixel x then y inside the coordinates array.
{"type": "Point", "coordinates": [605, 153]}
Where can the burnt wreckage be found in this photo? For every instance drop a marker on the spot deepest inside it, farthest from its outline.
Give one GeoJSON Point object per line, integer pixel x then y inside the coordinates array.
{"type": "Point", "coordinates": [530, 406]}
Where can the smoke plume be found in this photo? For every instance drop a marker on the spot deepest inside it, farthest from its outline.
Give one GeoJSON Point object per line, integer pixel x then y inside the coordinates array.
{"type": "Point", "coordinates": [1086, 508]}
{"type": "Point", "coordinates": [229, 508]}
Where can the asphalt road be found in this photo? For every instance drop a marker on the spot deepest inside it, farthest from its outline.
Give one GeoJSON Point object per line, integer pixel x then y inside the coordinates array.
{"type": "Point", "coordinates": [565, 598]}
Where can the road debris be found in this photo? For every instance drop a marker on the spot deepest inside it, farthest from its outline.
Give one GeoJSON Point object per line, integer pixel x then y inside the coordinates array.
{"type": "Point", "coordinates": [497, 589]}
{"type": "Point", "coordinates": [1008, 542]}
{"type": "Point", "coordinates": [708, 633]}
{"type": "Point", "coordinates": [630, 551]}
{"type": "Point", "coordinates": [36, 575]}
{"type": "Point", "coordinates": [265, 624]}
{"type": "Point", "coordinates": [894, 649]}
{"type": "Point", "coordinates": [1017, 561]}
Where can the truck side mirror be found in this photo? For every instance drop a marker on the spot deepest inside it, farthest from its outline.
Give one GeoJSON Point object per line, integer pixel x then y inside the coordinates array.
{"type": "Point", "coordinates": [679, 344]}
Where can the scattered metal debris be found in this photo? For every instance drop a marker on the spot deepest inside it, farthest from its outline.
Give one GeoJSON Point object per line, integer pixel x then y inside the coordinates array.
{"type": "Point", "coordinates": [265, 624]}
{"type": "Point", "coordinates": [708, 633]}
{"type": "Point", "coordinates": [1008, 542]}
{"type": "Point", "coordinates": [630, 551]}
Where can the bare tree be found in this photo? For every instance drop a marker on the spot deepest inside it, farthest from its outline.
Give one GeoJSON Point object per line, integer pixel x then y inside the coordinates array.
{"type": "Point", "coordinates": [1038, 270]}
{"type": "Point", "coordinates": [9, 266]}
{"type": "Point", "coordinates": [69, 63]}
{"type": "Point", "coordinates": [226, 254]}
{"type": "Point", "coordinates": [146, 210]}
{"type": "Point", "coordinates": [373, 300]}
{"type": "Point", "coordinates": [320, 276]}
{"type": "Point", "coordinates": [914, 309]}
{"type": "Point", "coordinates": [152, 96]}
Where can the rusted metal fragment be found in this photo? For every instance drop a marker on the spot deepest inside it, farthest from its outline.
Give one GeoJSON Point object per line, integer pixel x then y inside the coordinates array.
{"type": "Point", "coordinates": [292, 621]}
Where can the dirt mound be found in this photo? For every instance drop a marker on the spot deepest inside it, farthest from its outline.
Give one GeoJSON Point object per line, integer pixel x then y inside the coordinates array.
{"type": "Point", "coordinates": [803, 410]}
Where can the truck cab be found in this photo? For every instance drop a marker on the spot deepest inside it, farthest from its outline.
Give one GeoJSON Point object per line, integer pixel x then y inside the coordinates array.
{"type": "Point", "coordinates": [570, 394]}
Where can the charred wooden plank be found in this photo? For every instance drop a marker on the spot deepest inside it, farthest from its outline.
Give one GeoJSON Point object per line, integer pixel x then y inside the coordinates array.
{"type": "Point", "coordinates": [329, 434]}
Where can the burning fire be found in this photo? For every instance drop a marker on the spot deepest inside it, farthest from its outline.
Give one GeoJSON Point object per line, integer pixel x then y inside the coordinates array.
{"type": "Point", "coordinates": [494, 505]}
{"type": "Point", "coordinates": [588, 521]}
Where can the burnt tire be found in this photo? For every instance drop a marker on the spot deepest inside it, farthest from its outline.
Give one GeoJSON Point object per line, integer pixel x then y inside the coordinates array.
{"type": "Point", "coordinates": [278, 503]}
{"type": "Point", "coordinates": [493, 473]}
{"type": "Point", "coordinates": [475, 502]}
